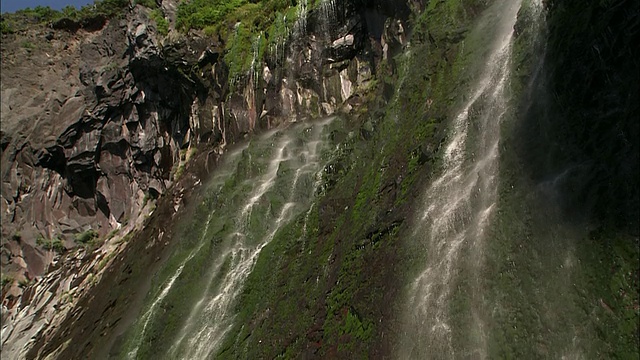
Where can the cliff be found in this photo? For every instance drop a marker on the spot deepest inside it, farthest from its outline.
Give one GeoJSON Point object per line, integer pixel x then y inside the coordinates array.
{"type": "Point", "coordinates": [101, 115]}
{"type": "Point", "coordinates": [323, 178]}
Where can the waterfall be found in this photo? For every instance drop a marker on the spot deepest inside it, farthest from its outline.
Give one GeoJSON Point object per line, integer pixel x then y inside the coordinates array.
{"type": "Point", "coordinates": [260, 190]}
{"type": "Point", "coordinates": [457, 209]}
{"type": "Point", "coordinates": [328, 10]}
{"type": "Point", "coordinates": [256, 61]}
{"type": "Point", "coordinates": [302, 17]}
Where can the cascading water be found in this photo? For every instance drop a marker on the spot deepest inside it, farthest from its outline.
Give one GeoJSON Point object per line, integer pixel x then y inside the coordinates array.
{"type": "Point", "coordinates": [302, 17]}
{"type": "Point", "coordinates": [458, 207]}
{"type": "Point", "coordinates": [328, 12]}
{"type": "Point", "coordinates": [262, 187]}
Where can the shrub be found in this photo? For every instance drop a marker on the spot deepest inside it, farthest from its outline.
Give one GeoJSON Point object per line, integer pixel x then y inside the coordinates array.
{"type": "Point", "coordinates": [197, 14]}
{"type": "Point", "coordinates": [5, 28]}
{"type": "Point", "coordinates": [87, 237]}
{"type": "Point", "coordinates": [147, 3]}
{"type": "Point", "coordinates": [28, 45]}
{"type": "Point", "coordinates": [6, 279]}
{"type": "Point", "coordinates": [161, 23]}
{"type": "Point", "coordinates": [56, 244]}
{"type": "Point", "coordinates": [23, 19]}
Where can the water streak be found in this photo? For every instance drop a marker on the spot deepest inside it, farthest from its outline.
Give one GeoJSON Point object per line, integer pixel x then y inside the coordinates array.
{"type": "Point", "coordinates": [148, 315]}
{"type": "Point", "coordinates": [458, 206]}
{"type": "Point", "coordinates": [289, 173]}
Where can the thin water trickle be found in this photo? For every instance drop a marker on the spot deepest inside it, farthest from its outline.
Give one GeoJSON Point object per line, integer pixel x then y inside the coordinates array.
{"type": "Point", "coordinates": [302, 17]}
{"type": "Point", "coordinates": [165, 291]}
{"type": "Point", "coordinates": [457, 210]}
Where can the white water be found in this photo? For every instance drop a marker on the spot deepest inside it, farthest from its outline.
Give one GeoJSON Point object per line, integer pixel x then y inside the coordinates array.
{"type": "Point", "coordinates": [267, 181]}
{"type": "Point", "coordinates": [289, 168]}
{"type": "Point", "coordinates": [302, 17]}
{"type": "Point", "coordinates": [165, 291]}
{"type": "Point", "coordinates": [458, 207]}
{"type": "Point", "coordinates": [328, 13]}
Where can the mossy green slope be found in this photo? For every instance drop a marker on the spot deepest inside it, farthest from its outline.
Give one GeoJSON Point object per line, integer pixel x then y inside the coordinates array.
{"type": "Point", "coordinates": [329, 289]}
{"type": "Point", "coordinates": [563, 266]}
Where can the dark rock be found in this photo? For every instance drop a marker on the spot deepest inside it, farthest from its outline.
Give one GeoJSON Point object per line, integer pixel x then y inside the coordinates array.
{"type": "Point", "coordinates": [66, 24]}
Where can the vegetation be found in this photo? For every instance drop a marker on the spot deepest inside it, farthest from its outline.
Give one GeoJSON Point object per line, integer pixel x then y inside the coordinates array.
{"type": "Point", "coordinates": [22, 19]}
{"type": "Point", "coordinates": [197, 14]}
{"type": "Point", "coordinates": [185, 156]}
{"type": "Point", "coordinates": [162, 24]}
{"type": "Point", "coordinates": [55, 244]}
{"type": "Point", "coordinates": [564, 249]}
{"type": "Point", "coordinates": [6, 279]}
{"type": "Point", "coordinates": [247, 27]}
{"type": "Point", "coordinates": [28, 45]}
{"type": "Point", "coordinates": [87, 237]}
{"type": "Point", "coordinates": [23, 283]}
{"type": "Point", "coordinates": [151, 4]}
{"type": "Point", "coordinates": [344, 263]}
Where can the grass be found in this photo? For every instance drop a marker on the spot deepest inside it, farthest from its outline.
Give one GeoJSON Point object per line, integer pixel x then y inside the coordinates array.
{"type": "Point", "coordinates": [24, 283]}
{"type": "Point", "coordinates": [28, 45]}
{"type": "Point", "coordinates": [185, 156]}
{"type": "Point", "coordinates": [247, 28]}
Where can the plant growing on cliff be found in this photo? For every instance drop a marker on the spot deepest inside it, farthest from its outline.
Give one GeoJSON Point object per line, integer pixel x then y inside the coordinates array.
{"type": "Point", "coordinates": [152, 4]}
{"type": "Point", "coordinates": [197, 14]}
{"type": "Point", "coordinates": [56, 244]}
{"type": "Point", "coordinates": [28, 45]}
{"type": "Point", "coordinates": [5, 28]}
{"type": "Point", "coordinates": [23, 19]}
{"type": "Point", "coordinates": [6, 279]}
{"type": "Point", "coordinates": [24, 283]}
{"type": "Point", "coordinates": [86, 237]}
{"type": "Point", "coordinates": [248, 27]}
{"type": "Point", "coordinates": [161, 23]}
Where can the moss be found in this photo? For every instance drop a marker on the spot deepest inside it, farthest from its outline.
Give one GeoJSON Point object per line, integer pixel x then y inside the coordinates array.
{"type": "Point", "coordinates": [325, 289]}
{"type": "Point", "coordinates": [248, 29]}
{"type": "Point", "coordinates": [557, 287]}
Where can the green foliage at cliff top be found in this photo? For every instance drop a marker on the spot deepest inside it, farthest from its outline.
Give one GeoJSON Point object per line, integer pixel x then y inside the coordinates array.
{"type": "Point", "coordinates": [22, 19]}
{"type": "Point", "coordinates": [248, 27]}
{"type": "Point", "coordinates": [199, 14]}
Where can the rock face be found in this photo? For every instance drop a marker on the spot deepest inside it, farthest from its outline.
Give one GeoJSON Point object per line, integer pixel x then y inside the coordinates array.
{"type": "Point", "coordinates": [97, 119]}
{"type": "Point", "coordinates": [101, 130]}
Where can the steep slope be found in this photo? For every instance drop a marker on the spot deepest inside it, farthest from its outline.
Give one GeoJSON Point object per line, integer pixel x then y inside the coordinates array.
{"type": "Point", "coordinates": [143, 103]}
{"type": "Point", "coordinates": [335, 179]}
{"type": "Point", "coordinates": [566, 259]}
